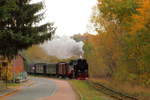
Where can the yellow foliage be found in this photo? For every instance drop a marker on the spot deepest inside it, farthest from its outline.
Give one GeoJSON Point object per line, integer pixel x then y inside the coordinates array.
{"type": "Point", "coordinates": [6, 71]}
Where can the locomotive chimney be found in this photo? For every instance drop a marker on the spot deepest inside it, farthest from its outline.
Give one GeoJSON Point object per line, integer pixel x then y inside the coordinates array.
{"type": "Point", "coordinates": [81, 56]}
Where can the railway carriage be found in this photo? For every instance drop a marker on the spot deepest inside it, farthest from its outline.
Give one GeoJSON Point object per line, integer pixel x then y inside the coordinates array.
{"type": "Point", "coordinates": [74, 69]}
{"type": "Point", "coordinates": [40, 68]}
{"type": "Point", "coordinates": [51, 69]}
{"type": "Point", "coordinates": [64, 70]}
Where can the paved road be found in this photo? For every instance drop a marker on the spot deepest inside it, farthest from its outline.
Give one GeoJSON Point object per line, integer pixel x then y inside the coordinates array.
{"type": "Point", "coordinates": [64, 92]}
{"type": "Point", "coordinates": [42, 88]}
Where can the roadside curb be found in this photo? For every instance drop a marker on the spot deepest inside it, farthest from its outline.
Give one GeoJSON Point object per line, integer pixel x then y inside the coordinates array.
{"type": "Point", "coordinates": [9, 92]}
{"type": "Point", "coordinates": [13, 91]}
{"type": "Point", "coordinates": [76, 91]}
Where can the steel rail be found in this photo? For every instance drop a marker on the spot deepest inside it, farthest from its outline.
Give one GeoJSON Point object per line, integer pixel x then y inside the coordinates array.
{"type": "Point", "coordinates": [113, 93]}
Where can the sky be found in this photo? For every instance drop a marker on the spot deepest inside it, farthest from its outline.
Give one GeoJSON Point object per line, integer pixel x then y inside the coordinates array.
{"type": "Point", "coordinates": [69, 16]}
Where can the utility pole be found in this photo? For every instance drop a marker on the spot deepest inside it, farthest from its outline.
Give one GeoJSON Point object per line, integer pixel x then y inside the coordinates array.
{"type": "Point", "coordinates": [6, 76]}
{"type": "Point", "coordinates": [5, 64]}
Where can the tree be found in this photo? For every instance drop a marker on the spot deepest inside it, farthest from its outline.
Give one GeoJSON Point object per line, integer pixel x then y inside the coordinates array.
{"type": "Point", "coordinates": [121, 47]}
{"type": "Point", "coordinates": [18, 26]}
{"type": "Point", "coordinates": [36, 54]}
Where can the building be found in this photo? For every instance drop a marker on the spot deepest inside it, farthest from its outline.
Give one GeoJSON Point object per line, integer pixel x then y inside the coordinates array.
{"type": "Point", "coordinates": [13, 70]}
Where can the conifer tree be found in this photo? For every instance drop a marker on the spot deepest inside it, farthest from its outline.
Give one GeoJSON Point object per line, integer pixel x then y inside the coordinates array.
{"type": "Point", "coordinates": [18, 26]}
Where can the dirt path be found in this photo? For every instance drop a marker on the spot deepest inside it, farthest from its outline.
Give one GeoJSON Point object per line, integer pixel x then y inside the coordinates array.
{"type": "Point", "coordinates": [64, 91]}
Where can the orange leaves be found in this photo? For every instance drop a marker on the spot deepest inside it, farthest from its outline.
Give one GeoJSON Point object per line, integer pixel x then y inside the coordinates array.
{"type": "Point", "coordinates": [142, 18]}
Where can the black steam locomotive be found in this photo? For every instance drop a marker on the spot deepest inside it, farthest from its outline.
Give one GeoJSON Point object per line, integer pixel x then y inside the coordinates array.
{"type": "Point", "coordinates": [74, 69]}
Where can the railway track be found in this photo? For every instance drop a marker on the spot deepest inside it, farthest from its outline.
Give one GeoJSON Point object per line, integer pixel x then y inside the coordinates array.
{"type": "Point", "coordinates": [112, 93]}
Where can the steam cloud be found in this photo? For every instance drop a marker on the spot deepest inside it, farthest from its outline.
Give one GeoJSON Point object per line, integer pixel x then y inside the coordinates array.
{"type": "Point", "coordinates": [63, 47]}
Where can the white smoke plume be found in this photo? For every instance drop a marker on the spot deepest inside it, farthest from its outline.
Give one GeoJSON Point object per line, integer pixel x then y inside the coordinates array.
{"type": "Point", "coordinates": [63, 47]}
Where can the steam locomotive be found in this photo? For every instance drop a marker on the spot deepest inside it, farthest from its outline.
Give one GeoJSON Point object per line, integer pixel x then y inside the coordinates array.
{"type": "Point", "coordinates": [77, 69]}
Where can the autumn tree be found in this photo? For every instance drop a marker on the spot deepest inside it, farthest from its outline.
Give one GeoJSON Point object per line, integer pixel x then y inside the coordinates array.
{"type": "Point", "coordinates": [37, 54]}
{"type": "Point", "coordinates": [122, 42]}
{"type": "Point", "coordinates": [137, 43]}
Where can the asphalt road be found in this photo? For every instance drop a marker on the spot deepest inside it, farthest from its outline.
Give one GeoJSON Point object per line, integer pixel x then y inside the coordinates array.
{"type": "Point", "coordinates": [42, 87]}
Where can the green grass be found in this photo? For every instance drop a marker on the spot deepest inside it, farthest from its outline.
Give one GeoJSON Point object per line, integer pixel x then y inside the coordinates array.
{"type": "Point", "coordinates": [13, 84]}
{"type": "Point", "coordinates": [87, 92]}
{"type": "Point", "coordinates": [9, 85]}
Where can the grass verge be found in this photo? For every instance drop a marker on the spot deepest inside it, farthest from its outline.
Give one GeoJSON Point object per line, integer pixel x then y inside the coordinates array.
{"type": "Point", "coordinates": [87, 92]}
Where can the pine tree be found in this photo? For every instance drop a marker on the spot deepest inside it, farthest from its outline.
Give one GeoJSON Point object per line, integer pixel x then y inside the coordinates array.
{"type": "Point", "coordinates": [18, 26]}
